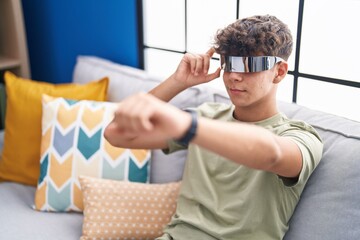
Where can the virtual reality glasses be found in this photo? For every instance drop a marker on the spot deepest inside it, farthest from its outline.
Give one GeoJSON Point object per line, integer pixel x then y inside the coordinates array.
{"type": "Point", "coordinates": [248, 64]}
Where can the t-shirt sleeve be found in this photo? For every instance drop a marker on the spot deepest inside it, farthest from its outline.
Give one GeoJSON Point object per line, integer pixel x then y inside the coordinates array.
{"type": "Point", "coordinates": [173, 146]}
{"type": "Point", "coordinates": [311, 147]}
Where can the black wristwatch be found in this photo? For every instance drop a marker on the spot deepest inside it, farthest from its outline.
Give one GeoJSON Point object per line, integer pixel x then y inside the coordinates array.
{"type": "Point", "coordinates": [191, 132]}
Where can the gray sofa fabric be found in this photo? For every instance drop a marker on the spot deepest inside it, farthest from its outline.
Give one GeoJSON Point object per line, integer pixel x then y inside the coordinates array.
{"type": "Point", "coordinates": [18, 220]}
{"type": "Point", "coordinates": [329, 208]}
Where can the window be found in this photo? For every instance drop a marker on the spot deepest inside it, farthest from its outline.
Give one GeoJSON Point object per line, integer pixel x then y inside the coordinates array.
{"type": "Point", "coordinates": [323, 71]}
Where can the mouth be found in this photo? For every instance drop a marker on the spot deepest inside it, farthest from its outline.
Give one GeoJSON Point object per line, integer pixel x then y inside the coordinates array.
{"type": "Point", "coordinates": [236, 90]}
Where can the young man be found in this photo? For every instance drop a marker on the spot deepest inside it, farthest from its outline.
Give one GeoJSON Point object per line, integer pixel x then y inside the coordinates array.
{"type": "Point", "coordinates": [247, 163]}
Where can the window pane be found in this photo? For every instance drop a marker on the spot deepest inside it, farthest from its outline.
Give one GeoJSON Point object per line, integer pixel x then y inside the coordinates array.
{"type": "Point", "coordinates": [333, 98]}
{"type": "Point", "coordinates": [161, 63]}
{"type": "Point", "coordinates": [285, 89]}
{"type": "Point", "coordinates": [164, 24]}
{"type": "Point", "coordinates": [205, 17]}
{"type": "Point", "coordinates": [331, 35]}
{"type": "Point", "coordinates": [285, 10]}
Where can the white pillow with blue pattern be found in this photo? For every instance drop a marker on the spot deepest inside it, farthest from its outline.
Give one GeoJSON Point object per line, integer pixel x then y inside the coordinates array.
{"type": "Point", "coordinates": [72, 144]}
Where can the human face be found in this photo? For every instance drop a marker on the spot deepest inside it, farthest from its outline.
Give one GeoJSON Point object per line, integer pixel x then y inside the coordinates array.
{"type": "Point", "coordinates": [248, 90]}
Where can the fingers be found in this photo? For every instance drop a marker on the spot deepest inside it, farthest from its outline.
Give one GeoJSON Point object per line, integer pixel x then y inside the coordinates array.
{"type": "Point", "coordinates": [194, 69]}
{"type": "Point", "coordinates": [206, 63]}
{"type": "Point", "coordinates": [213, 75]}
{"type": "Point", "coordinates": [139, 117]}
{"type": "Point", "coordinates": [210, 52]}
{"type": "Point", "coordinates": [133, 115]}
{"type": "Point", "coordinates": [196, 63]}
{"type": "Point", "coordinates": [202, 62]}
{"type": "Point", "coordinates": [199, 63]}
{"type": "Point", "coordinates": [191, 60]}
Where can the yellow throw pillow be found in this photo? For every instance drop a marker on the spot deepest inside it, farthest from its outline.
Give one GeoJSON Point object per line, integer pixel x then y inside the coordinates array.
{"type": "Point", "coordinates": [126, 210]}
{"type": "Point", "coordinates": [20, 157]}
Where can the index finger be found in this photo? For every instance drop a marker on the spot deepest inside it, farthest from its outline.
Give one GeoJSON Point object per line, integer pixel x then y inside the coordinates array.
{"type": "Point", "coordinates": [210, 52]}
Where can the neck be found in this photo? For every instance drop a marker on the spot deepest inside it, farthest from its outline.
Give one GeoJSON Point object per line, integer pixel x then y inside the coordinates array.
{"type": "Point", "coordinates": [255, 113]}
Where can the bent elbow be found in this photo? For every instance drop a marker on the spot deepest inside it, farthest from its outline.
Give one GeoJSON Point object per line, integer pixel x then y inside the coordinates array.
{"type": "Point", "coordinates": [274, 155]}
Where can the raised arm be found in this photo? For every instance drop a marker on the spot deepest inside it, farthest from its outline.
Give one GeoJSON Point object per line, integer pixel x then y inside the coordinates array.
{"type": "Point", "coordinates": [153, 122]}
{"type": "Point", "coordinates": [192, 70]}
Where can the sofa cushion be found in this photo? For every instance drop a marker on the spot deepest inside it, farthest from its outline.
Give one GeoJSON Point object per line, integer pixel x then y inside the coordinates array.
{"type": "Point", "coordinates": [125, 81]}
{"type": "Point", "coordinates": [329, 207]}
{"type": "Point", "coordinates": [19, 221]}
{"type": "Point", "coordinates": [19, 161]}
{"type": "Point", "coordinates": [72, 144]}
{"type": "Point", "coordinates": [126, 210]}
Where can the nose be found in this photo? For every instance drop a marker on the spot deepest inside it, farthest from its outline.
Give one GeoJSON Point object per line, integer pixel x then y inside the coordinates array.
{"type": "Point", "coordinates": [236, 77]}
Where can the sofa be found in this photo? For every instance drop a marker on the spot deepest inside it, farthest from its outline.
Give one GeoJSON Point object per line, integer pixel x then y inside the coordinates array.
{"type": "Point", "coordinates": [329, 208]}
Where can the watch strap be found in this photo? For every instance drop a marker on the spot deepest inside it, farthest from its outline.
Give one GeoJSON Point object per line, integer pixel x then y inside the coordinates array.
{"type": "Point", "coordinates": [191, 132]}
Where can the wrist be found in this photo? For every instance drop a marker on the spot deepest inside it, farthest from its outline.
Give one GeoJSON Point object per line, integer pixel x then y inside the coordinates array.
{"type": "Point", "coordinates": [190, 132]}
{"type": "Point", "coordinates": [176, 83]}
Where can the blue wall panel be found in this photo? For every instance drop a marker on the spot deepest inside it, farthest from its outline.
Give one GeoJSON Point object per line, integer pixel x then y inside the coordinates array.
{"type": "Point", "coordinates": [59, 31]}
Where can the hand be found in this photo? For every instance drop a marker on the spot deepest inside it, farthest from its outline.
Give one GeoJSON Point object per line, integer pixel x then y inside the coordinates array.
{"type": "Point", "coordinates": [143, 115]}
{"type": "Point", "coordinates": [193, 69]}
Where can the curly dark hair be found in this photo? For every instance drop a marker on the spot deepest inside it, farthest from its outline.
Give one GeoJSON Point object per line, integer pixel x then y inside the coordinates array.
{"type": "Point", "coordinates": [255, 36]}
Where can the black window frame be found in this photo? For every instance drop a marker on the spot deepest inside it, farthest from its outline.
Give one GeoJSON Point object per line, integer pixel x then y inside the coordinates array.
{"type": "Point", "coordinates": [295, 73]}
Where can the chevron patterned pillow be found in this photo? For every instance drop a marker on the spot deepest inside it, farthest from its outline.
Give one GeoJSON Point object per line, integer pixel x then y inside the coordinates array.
{"type": "Point", "coordinates": [72, 144]}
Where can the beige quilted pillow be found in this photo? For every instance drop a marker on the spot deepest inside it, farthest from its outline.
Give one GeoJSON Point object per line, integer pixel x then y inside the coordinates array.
{"type": "Point", "coordinates": [126, 210]}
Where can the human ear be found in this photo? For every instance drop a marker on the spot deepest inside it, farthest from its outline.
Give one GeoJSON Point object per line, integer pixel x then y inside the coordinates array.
{"type": "Point", "coordinates": [281, 71]}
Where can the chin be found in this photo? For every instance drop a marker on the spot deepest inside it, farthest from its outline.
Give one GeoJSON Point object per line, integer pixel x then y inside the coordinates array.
{"type": "Point", "coordinates": [240, 103]}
